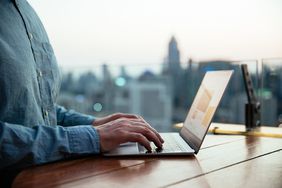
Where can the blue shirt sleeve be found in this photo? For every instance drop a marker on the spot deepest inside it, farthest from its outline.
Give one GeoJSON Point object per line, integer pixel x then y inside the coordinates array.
{"type": "Point", "coordinates": [72, 118]}
{"type": "Point", "coordinates": [22, 146]}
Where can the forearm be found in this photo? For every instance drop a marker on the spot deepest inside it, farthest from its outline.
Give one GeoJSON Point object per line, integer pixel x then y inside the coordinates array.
{"type": "Point", "coordinates": [22, 146]}
{"type": "Point", "coordinates": [71, 118]}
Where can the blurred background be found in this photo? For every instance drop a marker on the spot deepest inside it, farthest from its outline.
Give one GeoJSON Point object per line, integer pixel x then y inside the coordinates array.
{"type": "Point", "coordinates": [149, 57]}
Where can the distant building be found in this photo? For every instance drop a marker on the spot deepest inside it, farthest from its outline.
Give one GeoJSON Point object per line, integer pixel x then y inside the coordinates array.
{"type": "Point", "coordinates": [271, 93]}
{"type": "Point", "coordinates": [78, 102]}
{"type": "Point", "coordinates": [108, 89]}
{"type": "Point", "coordinates": [269, 111]}
{"type": "Point", "coordinates": [173, 57]}
{"type": "Point", "coordinates": [151, 100]}
{"type": "Point", "coordinates": [86, 84]}
{"type": "Point", "coordinates": [173, 70]}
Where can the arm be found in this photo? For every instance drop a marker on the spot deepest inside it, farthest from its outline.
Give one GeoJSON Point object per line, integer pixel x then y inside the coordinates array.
{"type": "Point", "coordinates": [114, 129]}
{"type": "Point", "coordinates": [23, 146]}
{"type": "Point", "coordinates": [71, 118]}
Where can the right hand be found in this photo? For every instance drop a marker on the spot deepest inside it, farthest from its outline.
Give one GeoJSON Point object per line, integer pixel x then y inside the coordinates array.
{"type": "Point", "coordinates": [123, 130]}
{"type": "Point", "coordinates": [112, 117]}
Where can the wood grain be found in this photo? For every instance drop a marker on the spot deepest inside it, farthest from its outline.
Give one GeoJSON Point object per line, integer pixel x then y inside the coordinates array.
{"type": "Point", "coordinates": [264, 171]}
{"type": "Point", "coordinates": [218, 152]}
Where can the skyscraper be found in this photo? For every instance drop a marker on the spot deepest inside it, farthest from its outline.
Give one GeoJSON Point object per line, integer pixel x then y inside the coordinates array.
{"type": "Point", "coordinates": [173, 70]}
{"type": "Point", "coordinates": [173, 56]}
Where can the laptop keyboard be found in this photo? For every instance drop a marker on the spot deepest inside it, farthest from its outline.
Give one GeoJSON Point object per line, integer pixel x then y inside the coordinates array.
{"type": "Point", "coordinates": [173, 143]}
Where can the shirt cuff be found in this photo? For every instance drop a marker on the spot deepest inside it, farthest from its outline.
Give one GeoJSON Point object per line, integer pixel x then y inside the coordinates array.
{"type": "Point", "coordinates": [84, 139]}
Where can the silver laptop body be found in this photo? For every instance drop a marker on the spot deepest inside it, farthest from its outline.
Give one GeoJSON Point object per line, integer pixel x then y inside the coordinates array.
{"type": "Point", "coordinates": [191, 136]}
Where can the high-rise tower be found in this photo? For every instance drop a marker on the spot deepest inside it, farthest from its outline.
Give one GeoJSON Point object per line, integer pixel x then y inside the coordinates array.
{"type": "Point", "coordinates": [173, 70]}
{"type": "Point", "coordinates": [173, 56]}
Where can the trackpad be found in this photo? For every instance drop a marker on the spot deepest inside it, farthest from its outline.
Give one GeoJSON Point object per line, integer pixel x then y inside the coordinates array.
{"type": "Point", "coordinates": [125, 149]}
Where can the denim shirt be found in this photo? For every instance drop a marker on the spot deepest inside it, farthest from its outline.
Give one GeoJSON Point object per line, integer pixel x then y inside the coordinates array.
{"type": "Point", "coordinates": [33, 129]}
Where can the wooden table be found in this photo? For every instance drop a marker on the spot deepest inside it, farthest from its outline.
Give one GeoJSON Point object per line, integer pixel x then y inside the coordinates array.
{"type": "Point", "coordinates": [223, 161]}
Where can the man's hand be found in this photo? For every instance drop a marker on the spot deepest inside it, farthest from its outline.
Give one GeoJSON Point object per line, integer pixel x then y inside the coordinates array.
{"type": "Point", "coordinates": [112, 117]}
{"type": "Point", "coordinates": [126, 129]}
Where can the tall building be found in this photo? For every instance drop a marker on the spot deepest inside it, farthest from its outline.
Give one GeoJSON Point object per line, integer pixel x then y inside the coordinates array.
{"type": "Point", "coordinates": [173, 70]}
{"type": "Point", "coordinates": [108, 89]}
{"type": "Point", "coordinates": [148, 98]}
{"type": "Point", "coordinates": [173, 56]}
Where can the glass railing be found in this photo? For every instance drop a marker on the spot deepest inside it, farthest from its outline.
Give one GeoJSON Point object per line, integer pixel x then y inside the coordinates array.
{"type": "Point", "coordinates": [271, 91]}
{"type": "Point", "coordinates": [160, 95]}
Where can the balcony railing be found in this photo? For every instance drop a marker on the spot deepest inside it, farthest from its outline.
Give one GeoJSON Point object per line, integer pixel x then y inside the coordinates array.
{"type": "Point", "coordinates": [163, 96]}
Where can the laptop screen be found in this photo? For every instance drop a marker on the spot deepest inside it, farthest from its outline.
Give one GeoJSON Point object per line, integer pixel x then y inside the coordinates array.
{"type": "Point", "coordinates": [204, 106]}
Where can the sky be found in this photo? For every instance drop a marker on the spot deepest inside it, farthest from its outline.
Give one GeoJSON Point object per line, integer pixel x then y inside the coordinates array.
{"type": "Point", "coordinates": [87, 33]}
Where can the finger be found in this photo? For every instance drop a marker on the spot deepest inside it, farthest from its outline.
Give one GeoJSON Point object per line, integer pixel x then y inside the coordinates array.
{"type": "Point", "coordinates": [137, 137]}
{"type": "Point", "coordinates": [103, 120]}
{"type": "Point", "coordinates": [129, 116]}
{"type": "Point", "coordinates": [142, 121]}
{"type": "Point", "coordinates": [154, 130]}
{"type": "Point", "coordinates": [148, 133]}
{"type": "Point", "coordinates": [117, 116]}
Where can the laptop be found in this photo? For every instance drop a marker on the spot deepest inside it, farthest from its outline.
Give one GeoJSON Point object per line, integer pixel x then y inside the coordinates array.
{"type": "Point", "coordinates": [191, 136]}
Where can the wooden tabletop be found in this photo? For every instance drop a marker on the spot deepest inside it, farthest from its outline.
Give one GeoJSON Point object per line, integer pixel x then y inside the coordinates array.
{"type": "Point", "coordinates": [223, 161]}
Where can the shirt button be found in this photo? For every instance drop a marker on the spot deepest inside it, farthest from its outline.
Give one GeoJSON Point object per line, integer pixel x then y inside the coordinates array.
{"type": "Point", "coordinates": [39, 73]}
{"type": "Point", "coordinates": [46, 113]}
{"type": "Point", "coordinates": [30, 36]}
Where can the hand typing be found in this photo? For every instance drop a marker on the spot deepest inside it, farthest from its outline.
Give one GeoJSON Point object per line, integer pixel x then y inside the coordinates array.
{"type": "Point", "coordinates": [121, 128]}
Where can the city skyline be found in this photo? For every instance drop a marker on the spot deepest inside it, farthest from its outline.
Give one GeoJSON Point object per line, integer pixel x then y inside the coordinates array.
{"type": "Point", "coordinates": [137, 32]}
{"type": "Point", "coordinates": [164, 96]}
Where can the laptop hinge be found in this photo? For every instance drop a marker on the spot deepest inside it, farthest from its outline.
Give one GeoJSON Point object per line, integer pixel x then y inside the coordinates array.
{"type": "Point", "coordinates": [191, 139]}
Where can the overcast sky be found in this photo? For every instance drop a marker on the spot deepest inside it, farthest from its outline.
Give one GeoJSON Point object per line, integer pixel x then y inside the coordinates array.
{"type": "Point", "coordinates": [91, 32]}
